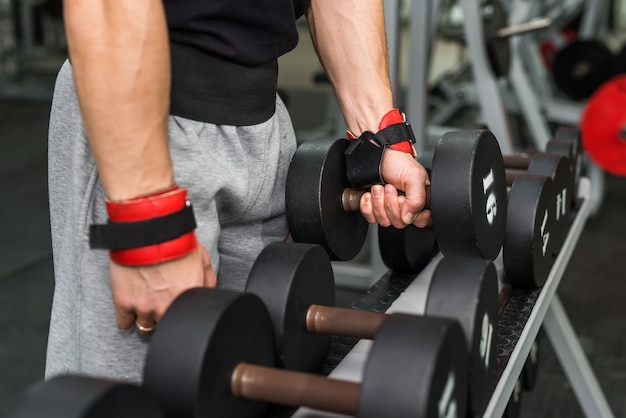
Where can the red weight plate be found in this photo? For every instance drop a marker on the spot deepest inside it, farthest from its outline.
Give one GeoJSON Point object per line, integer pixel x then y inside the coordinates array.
{"type": "Point", "coordinates": [603, 126]}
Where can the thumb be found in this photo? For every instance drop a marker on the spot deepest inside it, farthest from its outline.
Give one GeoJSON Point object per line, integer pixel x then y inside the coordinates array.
{"type": "Point", "coordinates": [414, 200]}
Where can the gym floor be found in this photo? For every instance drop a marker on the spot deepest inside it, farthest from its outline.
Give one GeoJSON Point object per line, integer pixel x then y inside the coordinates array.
{"type": "Point", "coordinates": [591, 290]}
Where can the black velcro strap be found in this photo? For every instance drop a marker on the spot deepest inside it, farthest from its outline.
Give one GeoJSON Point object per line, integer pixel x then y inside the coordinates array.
{"type": "Point", "coordinates": [125, 235]}
{"type": "Point", "coordinates": [363, 159]}
{"type": "Point", "coordinates": [392, 134]}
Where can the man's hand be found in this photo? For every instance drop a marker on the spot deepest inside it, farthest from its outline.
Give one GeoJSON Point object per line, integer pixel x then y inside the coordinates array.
{"type": "Point", "coordinates": [383, 205]}
{"type": "Point", "coordinates": [144, 293]}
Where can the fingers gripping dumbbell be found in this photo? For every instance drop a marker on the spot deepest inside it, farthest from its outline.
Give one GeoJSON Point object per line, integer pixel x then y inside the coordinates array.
{"type": "Point", "coordinates": [213, 356]}
{"type": "Point", "coordinates": [468, 205]}
{"type": "Point", "coordinates": [296, 283]}
{"type": "Point", "coordinates": [467, 197]}
{"type": "Point", "coordinates": [69, 396]}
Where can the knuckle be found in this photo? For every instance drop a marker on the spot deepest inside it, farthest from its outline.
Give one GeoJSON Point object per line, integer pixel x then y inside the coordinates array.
{"type": "Point", "coordinates": [399, 225]}
{"type": "Point", "coordinates": [123, 304]}
{"type": "Point", "coordinates": [144, 309]}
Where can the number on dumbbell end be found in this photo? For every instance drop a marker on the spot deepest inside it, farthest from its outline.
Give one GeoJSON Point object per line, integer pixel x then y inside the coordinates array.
{"type": "Point", "coordinates": [492, 204]}
{"type": "Point", "coordinates": [447, 403]}
{"type": "Point", "coordinates": [545, 235]}
{"type": "Point", "coordinates": [485, 340]}
{"type": "Point", "coordinates": [561, 204]}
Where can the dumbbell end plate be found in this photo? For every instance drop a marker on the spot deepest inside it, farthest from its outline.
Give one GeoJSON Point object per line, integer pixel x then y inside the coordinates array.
{"type": "Point", "coordinates": [203, 335]}
{"type": "Point", "coordinates": [315, 184]}
{"type": "Point", "coordinates": [428, 379]}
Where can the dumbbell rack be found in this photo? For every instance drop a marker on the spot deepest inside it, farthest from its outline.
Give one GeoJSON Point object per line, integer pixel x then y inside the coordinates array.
{"type": "Point", "coordinates": [522, 314]}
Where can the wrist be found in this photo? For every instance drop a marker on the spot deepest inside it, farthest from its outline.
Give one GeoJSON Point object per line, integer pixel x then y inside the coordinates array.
{"type": "Point", "coordinates": [365, 154]}
{"type": "Point", "coordinates": [132, 180]}
{"type": "Point", "coordinates": [148, 229]}
{"type": "Point", "coordinates": [394, 117]}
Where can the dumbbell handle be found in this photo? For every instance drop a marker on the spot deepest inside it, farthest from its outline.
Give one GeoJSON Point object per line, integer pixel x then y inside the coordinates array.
{"type": "Point", "coordinates": [518, 162]}
{"type": "Point", "coordinates": [555, 146]}
{"type": "Point", "coordinates": [511, 175]}
{"type": "Point", "coordinates": [351, 199]}
{"type": "Point", "coordinates": [285, 387]}
{"type": "Point", "coordinates": [521, 28]}
{"type": "Point", "coordinates": [344, 322]}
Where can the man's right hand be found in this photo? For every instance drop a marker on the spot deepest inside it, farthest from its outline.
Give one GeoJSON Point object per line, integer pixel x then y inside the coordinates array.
{"type": "Point", "coordinates": [383, 205]}
{"type": "Point", "coordinates": [142, 294]}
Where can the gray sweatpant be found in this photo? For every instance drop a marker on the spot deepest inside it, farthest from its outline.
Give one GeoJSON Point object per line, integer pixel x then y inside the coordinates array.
{"type": "Point", "coordinates": [236, 182]}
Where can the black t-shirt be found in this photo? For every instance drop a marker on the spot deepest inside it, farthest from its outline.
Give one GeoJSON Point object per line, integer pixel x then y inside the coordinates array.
{"type": "Point", "coordinates": [247, 32]}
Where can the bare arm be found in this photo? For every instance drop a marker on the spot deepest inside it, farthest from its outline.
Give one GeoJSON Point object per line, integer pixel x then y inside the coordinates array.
{"type": "Point", "coordinates": [120, 57]}
{"type": "Point", "coordinates": [119, 51]}
{"type": "Point", "coordinates": [349, 37]}
{"type": "Point", "coordinates": [350, 40]}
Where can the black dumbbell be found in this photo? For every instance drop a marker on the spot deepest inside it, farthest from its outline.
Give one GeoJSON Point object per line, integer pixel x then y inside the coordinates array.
{"type": "Point", "coordinates": [568, 141]}
{"type": "Point", "coordinates": [69, 396]}
{"type": "Point", "coordinates": [527, 252]}
{"type": "Point", "coordinates": [407, 250]}
{"type": "Point", "coordinates": [557, 167]}
{"type": "Point", "coordinates": [296, 283]}
{"type": "Point", "coordinates": [467, 197]}
{"type": "Point", "coordinates": [213, 356]}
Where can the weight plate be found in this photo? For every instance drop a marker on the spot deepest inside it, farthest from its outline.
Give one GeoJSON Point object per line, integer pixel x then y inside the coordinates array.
{"type": "Point", "coordinates": [415, 369]}
{"type": "Point", "coordinates": [201, 338]}
{"type": "Point", "coordinates": [603, 126]}
{"type": "Point", "coordinates": [468, 194]}
{"type": "Point", "coordinates": [85, 397]}
{"type": "Point", "coordinates": [289, 278]}
{"type": "Point", "coordinates": [406, 250]}
{"type": "Point", "coordinates": [466, 289]}
{"type": "Point", "coordinates": [527, 252]}
{"type": "Point", "coordinates": [498, 48]}
{"type": "Point", "coordinates": [557, 167]}
{"type": "Point", "coordinates": [315, 183]}
{"type": "Point", "coordinates": [581, 67]}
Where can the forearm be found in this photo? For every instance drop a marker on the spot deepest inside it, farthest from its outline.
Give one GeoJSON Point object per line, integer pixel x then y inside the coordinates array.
{"type": "Point", "coordinates": [120, 58]}
{"type": "Point", "coordinates": [349, 36]}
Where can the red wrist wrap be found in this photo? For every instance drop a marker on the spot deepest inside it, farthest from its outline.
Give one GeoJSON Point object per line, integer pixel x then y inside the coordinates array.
{"type": "Point", "coordinates": [147, 207]}
{"type": "Point", "coordinates": [392, 117]}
